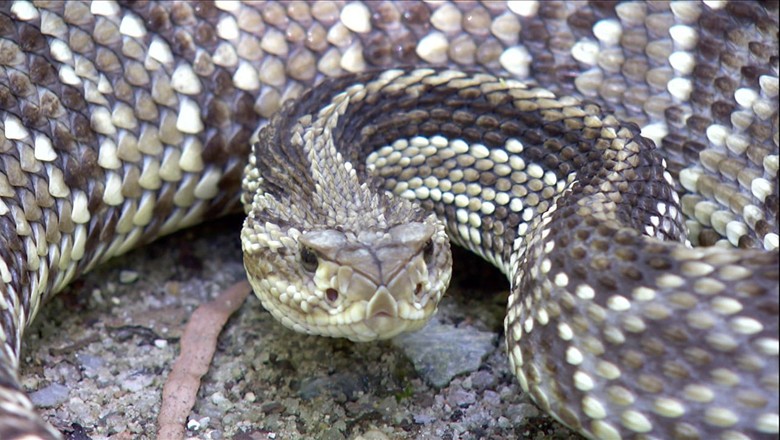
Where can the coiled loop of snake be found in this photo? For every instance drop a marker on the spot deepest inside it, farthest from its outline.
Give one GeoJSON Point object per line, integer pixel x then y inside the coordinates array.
{"type": "Point", "coordinates": [613, 325]}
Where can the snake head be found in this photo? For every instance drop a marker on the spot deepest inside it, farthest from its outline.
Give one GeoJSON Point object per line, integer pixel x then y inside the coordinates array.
{"type": "Point", "coordinates": [363, 285]}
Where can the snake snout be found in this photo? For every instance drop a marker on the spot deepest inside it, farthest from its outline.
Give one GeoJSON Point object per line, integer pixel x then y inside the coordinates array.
{"type": "Point", "coordinates": [382, 305]}
{"type": "Point", "coordinates": [382, 313]}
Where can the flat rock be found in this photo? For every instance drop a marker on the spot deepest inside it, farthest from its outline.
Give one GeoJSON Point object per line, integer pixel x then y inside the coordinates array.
{"type": "Point", "coordinates": [439, 352]}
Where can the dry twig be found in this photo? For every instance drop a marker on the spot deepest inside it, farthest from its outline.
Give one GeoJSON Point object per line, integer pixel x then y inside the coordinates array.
{"type": "Point", "coordinates": [198, 343]}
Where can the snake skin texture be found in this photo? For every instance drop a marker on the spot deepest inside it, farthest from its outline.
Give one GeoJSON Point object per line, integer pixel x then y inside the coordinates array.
{"type": "Point", "coordinates": [120, 123]}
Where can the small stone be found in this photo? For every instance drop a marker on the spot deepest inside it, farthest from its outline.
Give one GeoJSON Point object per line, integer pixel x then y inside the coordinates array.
{"type": "Point", "coordinates": [128, 276]}
{"type": "Point", "coordinates": [90, 363]}
{"type": "Point", "coordinates": [137, 383]}
{"type": "Point", "coordinates": [193, 425]}
{"type": "Point", "coordinates": [53, 395]}
{"type": "Point", "coordinates": [461, 398]}
{"type": "Point", "coordinates": [423, 419]}
{"type": "Point", "coordinates": [372, 434]}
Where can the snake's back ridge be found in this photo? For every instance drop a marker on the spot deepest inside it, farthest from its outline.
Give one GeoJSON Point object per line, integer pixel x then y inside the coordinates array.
{"type": "Point", "coordinates": [616, 161]}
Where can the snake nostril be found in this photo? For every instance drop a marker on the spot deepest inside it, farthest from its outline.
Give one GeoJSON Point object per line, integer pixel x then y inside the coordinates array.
{"type": "Point", "coordinates": [332, 294]}
{"type": "Point", "coordinates": [418, 290]}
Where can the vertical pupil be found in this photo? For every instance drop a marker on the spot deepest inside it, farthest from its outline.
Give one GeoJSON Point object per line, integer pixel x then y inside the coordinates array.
{"type": "Point", "coordinates": [308, 259]}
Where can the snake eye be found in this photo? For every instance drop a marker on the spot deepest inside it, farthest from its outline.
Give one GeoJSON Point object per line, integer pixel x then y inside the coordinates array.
{"type": "Point", "coordinates": [308, 259]}
{"type": "Point", "coordinates": [428, 251]}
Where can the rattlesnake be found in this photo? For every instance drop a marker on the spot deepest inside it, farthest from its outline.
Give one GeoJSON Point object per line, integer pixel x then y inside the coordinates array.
{"type": "Point", "coordinates": [124, 123]}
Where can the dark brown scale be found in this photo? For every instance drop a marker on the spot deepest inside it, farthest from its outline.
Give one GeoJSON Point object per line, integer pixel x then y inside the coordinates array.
{"type": "Point", "coordinates": [183, 44]}
{"type": "Point", "coordinates": [31, 39]}
{"type": "Point", "coordinates": [31, 116]}
{"type": "Point", "coordinates": [416, 16]}
{"type": "Point", "coordinates": [218, 113]}
{"type": "Point", "coordinates": [751, 73]}
{"type": "Point", "coordinates": [675, 116]}
{"type": "Point", "coordinates": [405, 47]}
{"type": "Point", "coordinates": [708, 237]}
{"type": "Point", "coordinates": [158, 19]}
{"type": "Point", "coordinates": [243, 113]}
{"type": "Point", "coordinates": [222, 83]}
{"type": "Point", "coordinates": [692, 149]}
{"type": "Point", "coordinates": [42, 196]}
{"type": "Point", "coordinates": [182, 14]}
{"type": "Point", "coordinates": [487, 179]}
{"type": "Point", "coordinates": [487, 122]}
{"type": "Point", "coordinates": [239, 142]}
{"type": "Point", "coordinates": [698, 124]}
{"type": "Point", "coordinates": [765, 25]}
{"type": "Point", "coordinates": [81, 129]}
{"type": "Point", "coordinates": [709, 50]}
{"type": "Point", "coordinates": [762, 51]}
{"type": "Point", "coordinates": [581, 23]}
{"type": "Point", "coordinates": [130, 186]}
{"type": "Point", "coordinates": [379, 50]}
{"type": "Point", "coordinates": [472, 135]}
{"type": "Point", "coordinates": [702, 98]}
{"type": "Point", "coordinates": [32, 212]}
{"type": "Point", "coordinates": [7, 27]}
{"type": "Point", "coordinates": [561, 43]}
{"type": "Point", "coordinates": [771, 202]}
{"type": "Point", "coordinates": [494, 139]}
{"type": "Point", "coordinates": [552, 10]}
{"type": "Point", "coordinates": [653, 347]}
{"type": "Point", "coordinates": [428, 129]}
{"type": "Point", "coordinates": [206, 36]}
{"type": "Point", "coordinates": [385, 16]}
{"type": "Point", "coordinates": [21, 85]}
{"type": "Point", "coordinates": [42, 73]}
{"type": "Point", "coordinates": [207, 10]}
{"type": "Point", "coordinates": [726, 85]}
{"type": "Point", "coordinates": [744, 11]}
{"type": "Point", "coordinates": [750, 289]}
{"type": "Point", "coordinates": [441, 114]}
{"type": "Point", "coordinates": [105, 233]}
{"type": "Point", "coordinates": [721, 111]}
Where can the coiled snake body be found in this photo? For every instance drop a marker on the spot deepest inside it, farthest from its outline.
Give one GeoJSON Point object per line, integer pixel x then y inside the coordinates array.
{"type": "Point", "coordinates": [124, 123]}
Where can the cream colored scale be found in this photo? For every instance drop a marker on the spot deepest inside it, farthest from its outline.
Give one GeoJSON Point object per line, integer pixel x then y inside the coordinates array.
{"type": "Point", "coordinates": [526, 190]}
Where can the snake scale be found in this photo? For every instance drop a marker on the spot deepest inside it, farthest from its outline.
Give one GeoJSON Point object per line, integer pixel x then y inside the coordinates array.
{"type": "Point", "coordinates": [524, 131]}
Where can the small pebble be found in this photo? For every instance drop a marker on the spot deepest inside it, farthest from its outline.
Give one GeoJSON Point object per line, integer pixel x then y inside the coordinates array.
{"type": "Point", "coordinates": [53, 395]}
{"type": "Point", "coordinates": [128, 276]}
{"type": "Point", "coordinates": [423, 419]}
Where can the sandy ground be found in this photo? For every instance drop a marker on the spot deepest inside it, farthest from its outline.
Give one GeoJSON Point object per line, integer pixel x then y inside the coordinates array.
{"type": "Point", "coordinates": [97, 357]}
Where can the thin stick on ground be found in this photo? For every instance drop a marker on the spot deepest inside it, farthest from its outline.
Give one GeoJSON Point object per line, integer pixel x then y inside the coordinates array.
{"type": "Point", "coordinates": [198, 343]}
